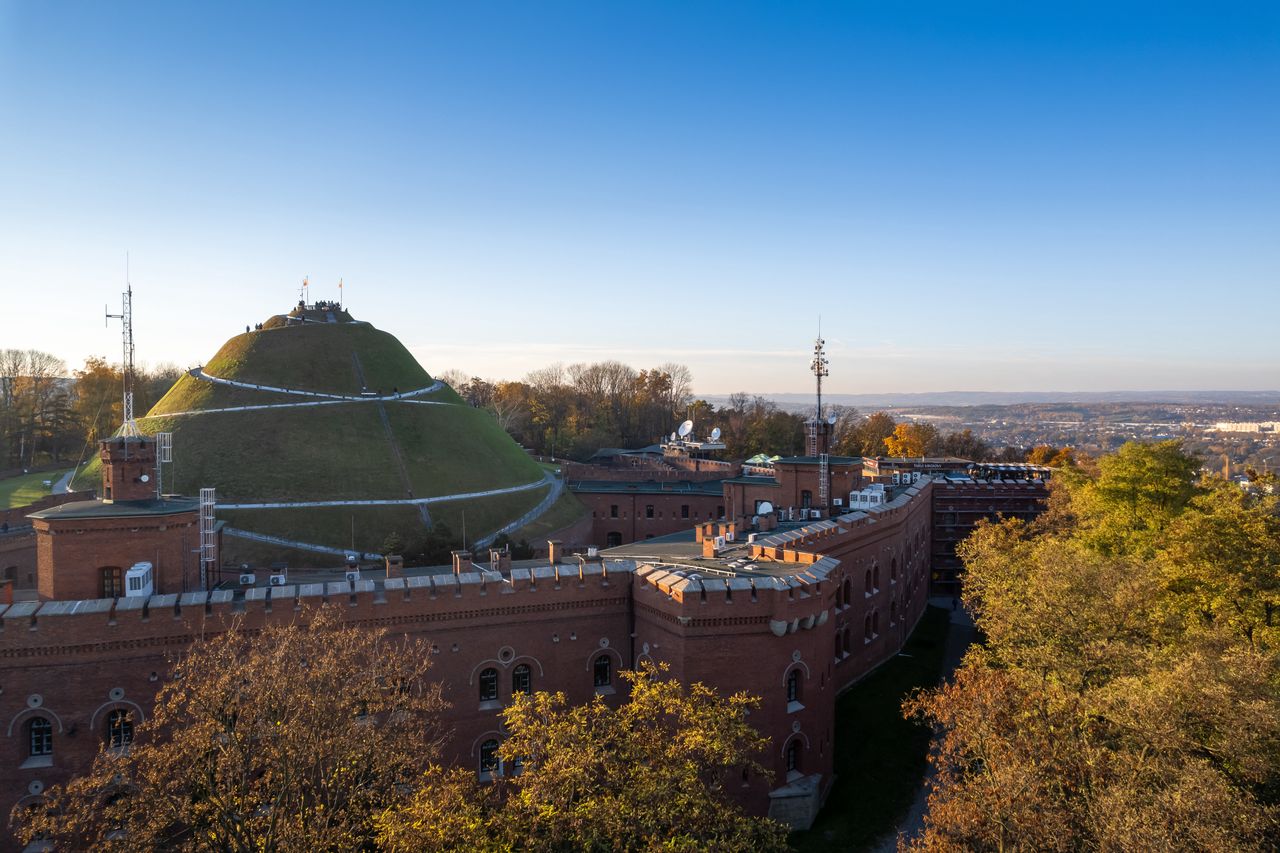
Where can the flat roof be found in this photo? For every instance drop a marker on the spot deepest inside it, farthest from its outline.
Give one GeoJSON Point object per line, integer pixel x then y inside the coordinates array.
{"type": "Point", "coordinates": [648, 487]}
{"type": "Point", "coordinates": [682, 550]}
{"type": "Point", "coordinates": [118, 509]}
{"type": "Point", "coordinates": [813, 460]}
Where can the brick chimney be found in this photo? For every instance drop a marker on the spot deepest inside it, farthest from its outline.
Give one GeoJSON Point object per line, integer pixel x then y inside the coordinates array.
{"type": "Point", "coordinates": [461, 562]}
{"type": "Point", "coordinates": [395, 566]}
{"type": "Point", "coordinates": [500, 560]}
{"type": "Point", "coordinates": [554, 551]}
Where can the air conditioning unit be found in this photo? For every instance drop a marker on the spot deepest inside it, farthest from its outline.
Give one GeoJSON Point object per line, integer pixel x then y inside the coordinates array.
{"type": "Point", "coordinates": [751, 538]}
{"type": "Point", "coordinates": [813, 513]}
{"type": "Point", "coordinates": [279, 580]}
{"type": "Point", "coordinates": [837, 501]}
{"type": "Point", "coordinates": [248, 579]}
{"type": "Point", "coordinates": [353, 575]}
{"type": "Point", "coordinates": [719, 543]}
{"type": "Point", "coordinates": [593, 551]}
{"type": "Point", "coordinates": [729, 535]}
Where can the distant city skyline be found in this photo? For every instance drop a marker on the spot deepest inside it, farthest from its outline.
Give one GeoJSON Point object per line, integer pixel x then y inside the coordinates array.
{"type": "Point", "coordinates": [977, 197]}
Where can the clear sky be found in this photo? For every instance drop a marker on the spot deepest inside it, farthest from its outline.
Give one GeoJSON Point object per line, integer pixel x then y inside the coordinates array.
{"type": "Point", "coordinates": [973, 196]}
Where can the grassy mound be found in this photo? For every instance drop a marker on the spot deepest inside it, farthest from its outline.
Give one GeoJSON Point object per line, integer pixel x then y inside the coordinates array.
{"type": "Point", "coordinates": [342, 451]}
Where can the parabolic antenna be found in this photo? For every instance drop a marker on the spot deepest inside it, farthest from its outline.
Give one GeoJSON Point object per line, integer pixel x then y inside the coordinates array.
{"type": "Point", "coordinates": [765, 508]}
{"type": "Point", "coordinates": [674, 436]}
{"type": "Point", "coordinates": [685, 428]}
{"type": "Point", "coordinates": [715, 434]}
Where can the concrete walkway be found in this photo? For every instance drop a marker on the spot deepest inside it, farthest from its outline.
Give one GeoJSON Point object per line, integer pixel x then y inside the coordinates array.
{"type": "Point", "coordinates": [198, 373]}
{"type": "Point", "coordinates": [557, 489]}
{"type": "Point", "coordinates": [64, 483]}
{"type": "Point", "coordinates": [461, 496]}
{"type": "Point", "coordinates": [960, 635]}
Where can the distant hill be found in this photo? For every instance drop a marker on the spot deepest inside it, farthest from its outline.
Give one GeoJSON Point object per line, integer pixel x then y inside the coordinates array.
{"type": "Point", "coordinates": [290, 449]}
{"type": "Point", "coordinates": [798, 402]}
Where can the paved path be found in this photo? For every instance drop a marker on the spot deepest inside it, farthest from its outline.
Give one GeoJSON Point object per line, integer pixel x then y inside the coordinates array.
{"type": "Point", "coordinates": [294, 543]}
{"type": "Point", "coordinates": [64, 483]}
{"type": "Point", "coordinates": [198, 373]}
{"type": "Point", "coordinates": [960, 635]}
{"type": "Point", "coordinates": [557, 489]}
{"type": "Point", "coordinates": [461, 496]}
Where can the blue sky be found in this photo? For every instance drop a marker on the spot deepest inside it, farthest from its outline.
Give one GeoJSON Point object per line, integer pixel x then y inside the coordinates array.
{"type": "Point", "coordinates": [973, 196]}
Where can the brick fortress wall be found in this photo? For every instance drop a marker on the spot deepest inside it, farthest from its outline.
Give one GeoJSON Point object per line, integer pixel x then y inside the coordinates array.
{"type": "Point", "coordinates": [73, 662]}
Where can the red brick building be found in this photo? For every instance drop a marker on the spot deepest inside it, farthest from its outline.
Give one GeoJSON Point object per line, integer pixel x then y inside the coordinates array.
{"type": "Point", "coordinates": [794, 618]}
{"type": "Point", "coordinates": [85, 548]}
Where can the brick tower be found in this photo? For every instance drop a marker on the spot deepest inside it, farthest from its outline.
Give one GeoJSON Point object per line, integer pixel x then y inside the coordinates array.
{"type": "Point", "coordinates": [128, 468]}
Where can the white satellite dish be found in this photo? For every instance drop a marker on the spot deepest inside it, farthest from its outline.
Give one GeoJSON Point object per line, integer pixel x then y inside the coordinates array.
{"type": "Point", "coordinates": [765, 508]}
{"type": "Point", "coordinates": [715, 434]}
{"type": "Point", "coordinates": [674, 436]}
{"type": "Point", "coordinates": [685, 428]}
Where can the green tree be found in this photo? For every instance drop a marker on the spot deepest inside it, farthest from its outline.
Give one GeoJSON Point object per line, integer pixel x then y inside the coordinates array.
{"type": "Point", "coordinates": [1125, 695]}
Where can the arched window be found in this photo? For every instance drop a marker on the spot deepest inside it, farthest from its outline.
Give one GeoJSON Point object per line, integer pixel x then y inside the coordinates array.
{"type": "Point", "coordinates": [893, 570]}
{"type": "Point", "coordinates": [848, 645]}
{"type": "Point", "coordinates": [866, 629]}
{"type": "Point", "coordinates": [612, 539]}
{"type": "Point", "coordinates": [806, 499]}
{"type": "Point", "coordinates": [875, 624]}
{"type": "Point", "coordinates": [522, 680]}
{"type": "Point", "coordinates": [112, 584]}
{"type": "Point", "coordinates": [875, 582]}
{"type": "Point", "coordinates": [868, 582]}
{"type": "Point", "coordinates": [603, 671]}
{"type": "Point", "coordinates": [848, 592]}
{"type": "Point", "coordinates": [119, 728]}
{"type": "Point", "coordinates": [488, 685]}
{"type": "Point", "coordinates": [488, 758]}
{"type": "Point", "coordinates": [793, 686]}
{"type": "Point", "coordinates": [839, 645]}
{"type": "Point", "coordinates": [793, 756]}
{"type": "Point", "coordinates": [39, 737]}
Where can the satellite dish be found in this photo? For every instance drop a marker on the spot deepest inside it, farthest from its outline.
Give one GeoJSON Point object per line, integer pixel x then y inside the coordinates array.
{"type": "Point", "coordinates": [715, 434]}
{"type": "Point", "coordinates": [146, 478]}
{"type": "Point", "coordinates": [674, 436]}
{"type": "Point", "coordinates": [765, 508]}
{"type": "Point", "coordinates": [685, 428]}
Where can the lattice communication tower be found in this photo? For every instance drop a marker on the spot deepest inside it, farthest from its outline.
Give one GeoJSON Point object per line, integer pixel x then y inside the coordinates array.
{"type": "Point", "coordinates": [130, 426]}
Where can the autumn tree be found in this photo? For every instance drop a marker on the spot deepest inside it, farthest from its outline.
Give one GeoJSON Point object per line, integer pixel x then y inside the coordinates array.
{"type": "Point", "coordinates": [651, 774]}
{"type": "Point", "coordinates": [912, 439]}
{"type": "Point", "coordinates": [292, 738]}
{"type": "Point", "coordinates": [1125, 694]}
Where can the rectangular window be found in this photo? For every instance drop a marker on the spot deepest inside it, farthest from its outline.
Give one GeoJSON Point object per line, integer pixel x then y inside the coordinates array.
{"type": "Point", "coordinates": [613, 510]}
{"type": "Point", "coordinates": [684, 510]}
{"type": "Point", "coordinates": [648, 511]}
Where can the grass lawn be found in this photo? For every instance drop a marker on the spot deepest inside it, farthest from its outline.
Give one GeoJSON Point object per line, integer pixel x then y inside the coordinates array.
{"type": "Point", "coordinates": [318, 358]}
{"type": "Point", "coordinates": [27, 488]}
{"type": "Point", "coordinates": [880, 757]}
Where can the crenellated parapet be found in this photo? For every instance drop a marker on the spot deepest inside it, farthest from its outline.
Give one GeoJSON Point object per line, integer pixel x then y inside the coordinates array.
{"type": "Point", "coordinates": [35, 629]}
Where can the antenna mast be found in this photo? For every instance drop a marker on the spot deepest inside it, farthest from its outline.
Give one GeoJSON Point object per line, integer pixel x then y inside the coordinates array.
{"type": "Point", "coordinates": [130, 426]}
{"type": "Point", "coordinates": [819, 368]}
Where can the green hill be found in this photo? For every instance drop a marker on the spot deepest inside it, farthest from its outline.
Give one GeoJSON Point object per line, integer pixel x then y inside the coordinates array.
{"type": "Point", "coordinates": [339, 450]}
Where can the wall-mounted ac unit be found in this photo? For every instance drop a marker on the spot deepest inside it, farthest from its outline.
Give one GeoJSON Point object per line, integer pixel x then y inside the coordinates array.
{"type": "Point", "coordinates": [248, 579]}
{"type": "Point", "coordinates": [353, 575]}
{"type": "Point", "coordinates": [837, 501]}
{"type": "Point", "coordinates": [279, 580]}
